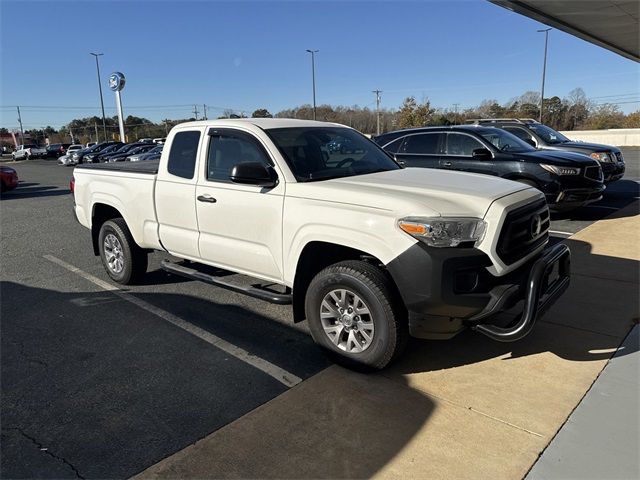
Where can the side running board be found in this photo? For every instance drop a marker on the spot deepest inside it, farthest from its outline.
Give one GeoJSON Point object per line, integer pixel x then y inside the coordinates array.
{"type": "Point", "coordinates": [252, 291]}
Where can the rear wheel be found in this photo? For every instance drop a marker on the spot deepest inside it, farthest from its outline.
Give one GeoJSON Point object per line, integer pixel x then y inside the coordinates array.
{"type": "Point", "coordinates": [354, 315]}
{"type": "Point", "coordinates": [124, 261]}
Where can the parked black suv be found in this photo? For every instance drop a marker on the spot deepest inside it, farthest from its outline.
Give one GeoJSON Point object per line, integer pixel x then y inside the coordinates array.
{"type": "Point", "coordinates": [57, 149]}
{"type": "Point", "coordinates": [568, 180]}
{"type": "Point", "coordinates": [546, 138]}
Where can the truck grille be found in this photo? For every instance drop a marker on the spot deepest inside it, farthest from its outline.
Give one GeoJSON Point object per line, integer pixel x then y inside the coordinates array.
{"type": "Point", "coordinates": [524, 230]}
{"type": "Point", "coordinates": [594, 173]}
{"type": "Point", "coordinates": [619, 157]}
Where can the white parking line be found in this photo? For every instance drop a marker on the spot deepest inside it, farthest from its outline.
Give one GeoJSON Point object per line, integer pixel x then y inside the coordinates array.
{"type": "Point", "coordinates": [558, 232]}
{"type": "Point", "coordinates": [269, 368]}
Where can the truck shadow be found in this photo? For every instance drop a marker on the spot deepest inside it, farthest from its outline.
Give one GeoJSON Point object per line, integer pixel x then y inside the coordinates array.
{"type": "Point", "coordinates": [113, 390]}
{"type": "Point", "coordinates": [123, 389]}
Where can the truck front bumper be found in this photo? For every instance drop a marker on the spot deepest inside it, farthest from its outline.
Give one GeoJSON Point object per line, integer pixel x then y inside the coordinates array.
{"type": "Point", "coordinates": [447, 290]}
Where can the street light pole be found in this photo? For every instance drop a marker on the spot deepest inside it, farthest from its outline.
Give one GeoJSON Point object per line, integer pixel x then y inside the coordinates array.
{"type": "Point", "coordinates": [544, 68]}
{"type": "Point", "coordinates": [313, 77]}
{"type": "Point", "coordinates": [104, 122]}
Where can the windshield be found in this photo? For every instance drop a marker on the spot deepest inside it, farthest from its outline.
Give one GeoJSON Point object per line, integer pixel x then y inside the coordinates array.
{"type": "Point", "coordinates": [505, 141]}
{"type": "Point", "coordinates": [321, 153]}
{"type": "Point", "coordinates": [548, 134]}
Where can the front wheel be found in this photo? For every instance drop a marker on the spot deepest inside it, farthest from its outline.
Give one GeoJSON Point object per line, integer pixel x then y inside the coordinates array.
{"type": "Point", "coordinates": [124, 261]}
{"type": "Point", "coordinates": [354, 315]}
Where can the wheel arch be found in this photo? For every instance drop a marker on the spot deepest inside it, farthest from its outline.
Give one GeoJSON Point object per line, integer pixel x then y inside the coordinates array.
{"type": "Point", "coordinates": [100, 213]}
{"type": "Point", "coordinates": [317, 255]}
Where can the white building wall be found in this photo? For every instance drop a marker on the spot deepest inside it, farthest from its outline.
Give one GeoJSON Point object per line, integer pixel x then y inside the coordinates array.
{"type": "Point", "coordinates": [619, 137]}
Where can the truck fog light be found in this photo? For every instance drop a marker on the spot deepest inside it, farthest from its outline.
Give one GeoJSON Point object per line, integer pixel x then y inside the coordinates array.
{"type": "Point", "coordinates": [466, 282]}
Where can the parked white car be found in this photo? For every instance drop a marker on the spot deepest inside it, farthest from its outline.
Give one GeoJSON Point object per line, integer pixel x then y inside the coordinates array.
{"type": "Point", "coordinates": [67, 159]}
{"type": "Point", "coordinates": [367, 251]}
{"type": "Point", "coordinates": [28, 151]}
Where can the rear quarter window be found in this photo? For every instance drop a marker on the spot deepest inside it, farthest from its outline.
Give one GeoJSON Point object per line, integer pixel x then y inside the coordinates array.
{"type": "Point", "coordinates": [182, 156]}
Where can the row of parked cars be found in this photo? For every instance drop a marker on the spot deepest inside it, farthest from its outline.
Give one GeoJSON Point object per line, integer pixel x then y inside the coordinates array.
{"type": "Point", "coordinates": [570, 174]}
{"type": "Point", "coordinates": [106, 152]}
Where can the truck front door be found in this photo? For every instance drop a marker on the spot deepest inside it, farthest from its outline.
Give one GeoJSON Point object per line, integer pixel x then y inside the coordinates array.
{"type": "Point", "coordinates": [240, 225]}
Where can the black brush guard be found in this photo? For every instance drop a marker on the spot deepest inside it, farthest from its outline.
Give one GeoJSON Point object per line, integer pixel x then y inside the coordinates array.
{"type": "Point", "coordinates": [540, 293]}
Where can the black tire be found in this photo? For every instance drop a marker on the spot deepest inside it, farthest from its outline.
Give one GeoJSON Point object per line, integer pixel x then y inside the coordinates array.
{"type": "Point", "coordinates": [134, 259]}
{"type": "Point", "coordinates": [387, 313]}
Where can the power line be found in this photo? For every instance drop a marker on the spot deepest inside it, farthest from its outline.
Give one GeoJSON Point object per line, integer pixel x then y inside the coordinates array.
{"type": "Point", "coordinates": [619, 95]}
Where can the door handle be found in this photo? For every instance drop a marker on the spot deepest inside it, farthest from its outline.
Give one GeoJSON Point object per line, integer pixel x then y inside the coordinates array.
{"type": "Point", "coordinates": [206, 198]}
{"type": "Point", "coordinates": [447, 164]}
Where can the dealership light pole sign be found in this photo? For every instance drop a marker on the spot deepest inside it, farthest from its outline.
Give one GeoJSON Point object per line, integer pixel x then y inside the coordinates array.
{"type": "Point", "coordinates": [116, 83]}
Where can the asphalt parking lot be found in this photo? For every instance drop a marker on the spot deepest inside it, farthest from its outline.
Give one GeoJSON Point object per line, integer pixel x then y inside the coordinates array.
{"type": "Point", "coordinates": [97, 385]}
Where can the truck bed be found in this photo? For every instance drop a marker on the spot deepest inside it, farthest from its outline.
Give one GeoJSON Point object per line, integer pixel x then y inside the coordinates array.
{"type": "Point", "coordinates": [150, 167]}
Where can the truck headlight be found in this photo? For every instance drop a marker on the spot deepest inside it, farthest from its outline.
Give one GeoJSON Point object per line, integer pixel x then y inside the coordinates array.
{"type": "Point", "coordinates": [601, 156]}
{"type": "Point", "coordinates": [561, 170]}
{"type": "Point", "coordinates": [443, 232]}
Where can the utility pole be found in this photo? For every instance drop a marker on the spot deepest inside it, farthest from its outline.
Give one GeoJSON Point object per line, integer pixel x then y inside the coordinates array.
{"type": "Point", "coordinates": [544, 68]}
{"type": "Point", "coordinates": [96, 127]}
{"type": "Point", "coordinates": [104, 121]}
{"type": "Point", "coordinates": [195, 111]}
{"type": "Point", "coordinates": [166, 129]}
{"type": "Point", "coordinates": [377, 92]}
{"type": "Point", "coordinates": [313, 78]}
{"type": "Point", "coordinates": [204, 112]}
{"type": "Point", "coordinates": [21, 130]}
{"type": "Point", "coordinates": [455, 112]}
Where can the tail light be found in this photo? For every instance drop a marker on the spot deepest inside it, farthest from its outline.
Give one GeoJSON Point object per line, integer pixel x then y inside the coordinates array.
{"type": "Point", "coordinates": [72, 184]}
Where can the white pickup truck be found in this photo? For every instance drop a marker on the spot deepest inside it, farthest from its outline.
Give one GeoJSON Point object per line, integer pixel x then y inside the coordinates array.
{"type": "Point", "coordinates": [28, 151]}
{"type": "Point", "coordinates": [367, 251]}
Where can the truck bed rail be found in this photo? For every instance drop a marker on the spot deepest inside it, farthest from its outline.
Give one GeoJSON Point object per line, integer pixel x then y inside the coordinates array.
{"type": "Point", "coordinates": [150, 167]}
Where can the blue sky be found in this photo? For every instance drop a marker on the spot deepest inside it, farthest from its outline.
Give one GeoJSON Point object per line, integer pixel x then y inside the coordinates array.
{"type": "Point", "coordinates": [247, 55]}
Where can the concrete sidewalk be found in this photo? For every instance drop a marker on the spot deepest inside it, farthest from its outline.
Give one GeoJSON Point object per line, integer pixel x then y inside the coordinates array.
{"type": "Point", "coordinates": [464, 408]}
{"type": "Point", "coordinates": [601, 438]}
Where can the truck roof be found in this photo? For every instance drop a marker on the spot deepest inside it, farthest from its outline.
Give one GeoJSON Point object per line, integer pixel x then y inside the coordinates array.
{"type": "Point", "coordinates": [263, 123]}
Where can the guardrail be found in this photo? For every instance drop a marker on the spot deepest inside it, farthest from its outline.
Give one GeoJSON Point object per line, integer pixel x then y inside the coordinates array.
{"type": "Point", "coordinates": [620, 137]}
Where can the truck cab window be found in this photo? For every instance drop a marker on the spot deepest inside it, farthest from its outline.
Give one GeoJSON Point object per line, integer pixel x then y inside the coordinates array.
{"type": "Point", "coordinates": [228, 150]}
{"type": "Point", "coordinates": [182, 156]}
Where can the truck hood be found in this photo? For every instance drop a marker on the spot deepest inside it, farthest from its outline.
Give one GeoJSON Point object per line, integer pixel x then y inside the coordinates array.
{"type": "Point", "coordinates": [413, 192]}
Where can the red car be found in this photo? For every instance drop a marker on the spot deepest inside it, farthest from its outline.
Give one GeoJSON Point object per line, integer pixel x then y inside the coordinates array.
{"type": "Point", "coordinates": [8, 178]}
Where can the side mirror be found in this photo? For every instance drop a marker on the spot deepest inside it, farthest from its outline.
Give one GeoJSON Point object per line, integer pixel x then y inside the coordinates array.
{"type": "Point", "coordinates": [254, 173]}
{"type": "Point", "coordinates": [531, 142]}
{"type": "Point", "coordinates": [481, 154]}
